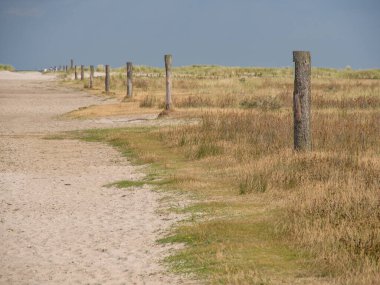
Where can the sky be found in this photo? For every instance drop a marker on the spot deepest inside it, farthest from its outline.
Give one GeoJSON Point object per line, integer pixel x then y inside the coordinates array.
{"type": "Point", "coordinates": [41, 33]}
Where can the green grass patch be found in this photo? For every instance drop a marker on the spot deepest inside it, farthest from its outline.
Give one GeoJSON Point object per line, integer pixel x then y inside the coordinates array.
{"type": "Point", "coordinates": [222, 250]}
{"type": "Point", "coordinates": [140, 183]}
{"type": "Point", "coordinates": [126, 184]}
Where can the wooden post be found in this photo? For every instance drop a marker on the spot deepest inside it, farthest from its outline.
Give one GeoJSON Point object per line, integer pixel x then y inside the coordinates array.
{"type": "Point", "coordinates": [75, 73]}
{"type": "Point", "coordinates": [168, 68]}
{"type": "Point", "coordinates": [107, 79]}
{"type": "Point", "coordinates": [129, 79]}
{"type": "Point", "coordinates": [81, 72]}
{"type": "Point", "coordinates": [71, 64]}
{"type": "Point", "coordinates": [91, 76]}
{"type": "Point", "coordinates": [66, 67]}
{"type": "Point", "coordinates": [302, 100]}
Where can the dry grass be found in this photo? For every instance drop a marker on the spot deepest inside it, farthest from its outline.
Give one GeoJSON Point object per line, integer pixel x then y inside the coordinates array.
{"type": "Point", "coordinates": [219, 87]}
{"type": "Point", "coordinates": [110, 110]}
{"type": "Point", "coordinates": [330, 197]}
{"type": "Point", "coordinates": [266, 214]}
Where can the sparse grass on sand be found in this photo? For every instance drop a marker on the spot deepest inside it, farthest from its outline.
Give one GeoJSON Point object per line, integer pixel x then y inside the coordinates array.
{"type": "Point", "coordinates": [263, 213]}
{"type": "Point", "coordinates": [6, 67]}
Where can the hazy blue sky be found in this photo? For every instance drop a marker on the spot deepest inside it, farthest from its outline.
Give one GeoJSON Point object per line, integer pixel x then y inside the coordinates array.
{"type": "Point", "coordinates": [39, 33]}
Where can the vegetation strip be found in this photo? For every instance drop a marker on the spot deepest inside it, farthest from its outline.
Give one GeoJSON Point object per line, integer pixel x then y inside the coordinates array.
{"type": "Point", "coordinates": [264, 214]}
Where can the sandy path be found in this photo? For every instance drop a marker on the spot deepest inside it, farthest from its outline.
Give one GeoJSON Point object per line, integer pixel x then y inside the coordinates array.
{"type": "Point", "coordinates": [58, 225]}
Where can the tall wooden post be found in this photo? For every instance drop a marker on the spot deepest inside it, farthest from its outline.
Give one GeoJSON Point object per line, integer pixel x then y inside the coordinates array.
{"type": "Point", "coordinates": [82, 72]}
{"type": "Point", "coordinates": [129, 79]}
{"type": "Point", "coordinates": [75, 73]}
{"type": "Point", "coordinates": [168, 68]}
{"type": "Point", "coordinates": [302, 100]}
{"type": "Point", "coordinates": [91, 76]}
{"type": "Point", "coordinates": [71, 64]}
{"type": "Point", "coordinates": [107, 79]}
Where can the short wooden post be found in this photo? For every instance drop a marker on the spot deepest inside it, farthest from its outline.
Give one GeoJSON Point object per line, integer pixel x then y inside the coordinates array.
{"type": "Point", "coordinates": [168, 68]}
{"type": "Point", "coordinates": [91, 76]}
{"type": "Point", "coordinates": [75, 73]}
{"type": "Point", "coordinates": [302, 100]}
{"type": "Point", "coordinates": [82, 72]}
{"type": "Point", "coordinates": [107, 79]}
{"type": "Point", "coordinates": [129, 79]}
{"type": "Point", "coordinates": [71, 64]}
{"type": "Point", "coordinates": [66, 67]}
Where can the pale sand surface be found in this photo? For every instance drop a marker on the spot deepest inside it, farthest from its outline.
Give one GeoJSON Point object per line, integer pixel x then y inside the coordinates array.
{"type": "Point", "coordinates": [58, 224]}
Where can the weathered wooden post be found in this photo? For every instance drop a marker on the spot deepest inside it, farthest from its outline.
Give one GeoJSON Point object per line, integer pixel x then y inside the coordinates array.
{"type": "Point", "coordinates": [302, 100]}
{"type": "Point", "coordinates": [71, 64]}
{"type": "Point", "coordinates": [107, 79]}
{"type": "Point", "coordinates": [129, 80]}
{"type": "Point", "coordinates": [168, 68]}
{"type": "Point", "coordinates": [91, 76]}
{"type": "Point", "coordinates": [82, 72]}
{"type": "Point", "coordinates": [66, 68]}
{"type": "Point", "coordinates": [75, 73]}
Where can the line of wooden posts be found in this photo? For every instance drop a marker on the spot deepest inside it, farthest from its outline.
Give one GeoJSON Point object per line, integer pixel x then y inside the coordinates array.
{"type": "Point", "coordinates": [301, 94]}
